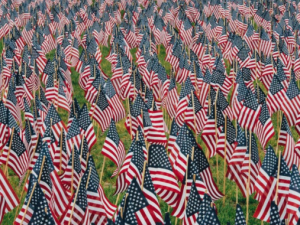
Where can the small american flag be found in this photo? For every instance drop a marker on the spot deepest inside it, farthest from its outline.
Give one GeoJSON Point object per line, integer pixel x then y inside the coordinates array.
{"type": "Point", "coordinates": [86, 126]}
{"type": "Point", "coordinates": [113, 147]}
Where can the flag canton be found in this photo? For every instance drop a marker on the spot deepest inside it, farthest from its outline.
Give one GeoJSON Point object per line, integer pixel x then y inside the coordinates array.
{"type": "Point", "coordinates": [109, 89]}
{"type": "Point", "coordinates": [158, 157]}
{"type": "Point", "coordinates": [84, 120]}
{"type": "Point", "coordinates": [264, 114]}
{"type": "Point", "coordinates": [84, 149]}
{"type": "Point", "coordinates": [92, 47]}
{"type": "Point", "coordinates": [254, 149]}
{"type": "Point", "coordinates": [146, 119]}
{"type": "Point", "coordinates": [135, 200]}
{"type": "Point", "coordinates": [148, 184]}
{"type": "Point", "coordinates": [242, 90]}
{"type": "Point", "coordinates": [94, 177]}
{"type": "Point", "coordinates": [222, 102]}
{"type": "Point", "coordinates": [17, 144]}
{"type": "Point", "coordinates": [276, 85]}
{"type": "Point", "coordinates": [3, 110]}
{"type": "Point", "coordinates": [172, 84]}
{"type": "Point", "coordinates": [230, 136]}
{"type": "Point", "coordinates": [52, 114]}
{"type": "Point", "coordinates": [77, 165]}
{"type": "Point", "coordinates": [274, 214]}
{"type": "Point", "coordinates": [113, 134]}
{"type": "Point", "coordinates": [41, 212]}
{"type": "Point", "coordinates": [81, 199]}
{"type": "Point", "coordinates": [73, 130]}
{"type": "Point", "coordinates": [45, 173]}
{"type": "Point", "coordinates": [285, 126]}
{"type": "Point", "coordinates": [284, 169]}
{"type": "Point", "coordinates": [295, 179]}
{"type": "Point", "coordinates": [49, 68]}
{"type": "Point", "coordinates": [138, 157]}
{"type": "Point", "coordinates": [194, 201]}
{"type": "Point", "coordinates": [102, 103]}
{"type": "Point", "coordinates": [204, 208]}
{"type": "Point", "coordinates": [269, 164]}
{"type": "Point", "coordinates": [220, 118]}
{"type": "Point", "coordinates": [250, 101]}
{"type": "Point", "coordinates": [239, 216]}
{"type": "Point", "coordinates": [293, 90]}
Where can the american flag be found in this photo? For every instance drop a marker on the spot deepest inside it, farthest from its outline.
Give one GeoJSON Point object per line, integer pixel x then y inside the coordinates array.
{"type": "Point", "coordinates": [117, 108]}
{"type": "Point", "coordinates": [138, 210]}
{"type": "Point", "coordinates": [154, 127]}
{"type": "Point", "coordinates": [150, 195]}
{"type": "Point", "coordinates": [135, 168]}
{"type": "Point", "coordinates": [286, 139]}
{"type": "Point", "coordinates": [3, 124]}
{"type": "Point", "coordinates": [113, 147]}
{"type": "Point", "coordinates": [195, 115]}
{"type": "Point", "coordinates": [12, 103]}
{"type": "Point", "coordinates": [60, 159]}
{"type": "Point", "coordinates": [171, 100]}
{"type": "Point", "coordinates": [264, 128]}
{"type": "Point", "coordinates": [276, 95]}
{"type": "Point", "coordinates": [206, 176]}
{"type": "Point", "coordinates": [101, 111]}
{"type": "Point", "coordinates": [183, 146]}
{"type": "Point", "coordinates": [86, 126]}
{"type": "Point", "coordinates": [35, 208]}
{"type": "Point", "coordinates": [73, 170]}
{"type": "Point", "coordinates": [9, 199]}
{"type": "Point", "coordinates": [250, 112]}
{"type": "Point", "coordinates": [84, 153]}
{"type": "Point", "coordinates": [164, 179]}
{"type": "Point", "coordinates": [210, 217]}
{"type": "Point", "coordinates": [192, 206]}
{"type": "Point", "coordinates": [266, 184]}
{"type": "Point", "coordinates": [73, 137]}
{"type": "Point", "coordinates": [100, 207]}
{"type": "Point", "coordinates": [15, 155]}
{"type": "Point", "coordinates": [77, 211]}
{"type": "Point", "coordinates": [293, 201]}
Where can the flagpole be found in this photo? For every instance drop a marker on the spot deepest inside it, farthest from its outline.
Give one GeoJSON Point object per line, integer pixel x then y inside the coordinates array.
{"type": "Point", "coordinates": [129, 118]}
{"type": "Point", "coordinates": [74, 202]}
{"type": "Point", "coordinates": [216, 138]}
{"type": "Point", "coordinates": [143, 176]}
{"type": "Point", "coordinates": [27, 206]}
{"type": "Point", "coordinates": [248, 181]}
{"type": "Point", "coordinates": [279, 121]}
{"type": "Point", "coordinates": [41, 169]}
{"type": "Point", "coordinates": [193, 103]}
{"type": "Point", "coordinates": [8, 153]}
{"type": "Point", "coordinates": [61, 142]}
{"type": "Point", "coordinates": [225, 154]}
{"type": "Point", "coordinates": [72, 176]}
{"type": "Point", "coordinates": [278, 172]}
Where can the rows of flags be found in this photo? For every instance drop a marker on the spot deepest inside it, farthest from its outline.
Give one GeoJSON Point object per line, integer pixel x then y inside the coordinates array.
{"type": "Point", "coordinates": [229, 67]}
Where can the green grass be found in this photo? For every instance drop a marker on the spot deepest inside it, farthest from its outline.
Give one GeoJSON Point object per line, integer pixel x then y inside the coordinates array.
{"type": "Point", "coordinates": [226, 212]}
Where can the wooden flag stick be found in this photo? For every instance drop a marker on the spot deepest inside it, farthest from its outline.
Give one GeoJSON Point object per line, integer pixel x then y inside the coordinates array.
{"type": "Point", "coordinates": [193, 103]}
{"type": "Point", "coordinates": [102, 170]}
{"type": "Point", "coordinates": [143, 177]}
{"type": "Point", "coordinates": [8, 153]}
{"type": "Point", "coordinates": [41, 169]}
{"type": "Point", "coordinates": [129, 118]}
{"type": "Point", "coordinates": [236, 194]}
{"type": "Point", "coordinates": [248, 181]}
{"type": "Point", "coordinates": [216, 131]}
{"type": "Point", "coordinates": [72, 176]}
{"type": "Point", "coordinates": [61, 142]}
{"type": "Point", "coordinates": [74, 202]}
{"type": "Point", "coordinates": [88, 180]}
{"type": "Point", "coordinates": [278, 172]}
{"type": "Point", "coordinates": [279, 121]}
{"type": "Point", "coordinates": [27, 206]}
{"type": "Point", "coordinates": [224, 181]}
